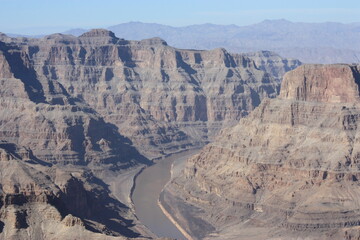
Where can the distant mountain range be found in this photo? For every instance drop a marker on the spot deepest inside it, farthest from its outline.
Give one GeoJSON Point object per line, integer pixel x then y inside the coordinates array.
{"type": "Point", "coordinates": [328, 42]}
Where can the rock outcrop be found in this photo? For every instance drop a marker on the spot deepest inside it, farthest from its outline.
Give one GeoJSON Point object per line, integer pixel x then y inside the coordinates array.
{"type": "Point", "coordinates": [272, 63]}
{"type": "Point", "coordinates": [328, 84]}
{"type": "Point", "coordinates": [39, 113]}
{"type": "Point", "coordinates": [40, 201]}
{"type": "Point", "coordinates": [162, 98]}
{"type": "Point", "coordinates": [288, 170]}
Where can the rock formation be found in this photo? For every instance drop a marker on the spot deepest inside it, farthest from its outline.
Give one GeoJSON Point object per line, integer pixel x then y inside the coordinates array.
{"type": "Point", "coordinates": [76, 113]}
{"type": "Point", "coordinates": [49, 184]}
{"type": "Point", "coordinates": [37, 201]}
{"type": "Point", "coordinates": [39, 113]}
{"type": "Point", "coordinates": [272, 63]}
{"type": "Point", "coordinates": [290, 170]}
{"type": "Point", "coordinates": [163, 99]}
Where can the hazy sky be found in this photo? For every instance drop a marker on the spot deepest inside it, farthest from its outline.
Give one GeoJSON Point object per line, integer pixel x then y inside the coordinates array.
{"type": "Point", "coordinates": [46, 16]}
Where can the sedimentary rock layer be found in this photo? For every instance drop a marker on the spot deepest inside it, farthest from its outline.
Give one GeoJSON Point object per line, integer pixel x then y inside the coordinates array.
{"type": "Point", "coordinates": [40, 114]}
{"type": "Point", "coordinates": [290, 169]}
{"type": "Point", "coordinates": [77, 111]}
{"type": "Point", "coordinates": [162, 98]}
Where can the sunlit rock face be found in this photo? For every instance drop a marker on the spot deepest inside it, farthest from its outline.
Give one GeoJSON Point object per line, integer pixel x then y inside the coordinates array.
{"type": "Point", "coordinates": [288, 170]}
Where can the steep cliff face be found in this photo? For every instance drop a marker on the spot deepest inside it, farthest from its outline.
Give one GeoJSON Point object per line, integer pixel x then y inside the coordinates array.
{"type": "Point", "coordinates": [163, 99]}
{"type": "Point", "coordinates": [273, 63]}
{"type": "Point", "coordinates": [39, 113]}
{"type": "Point", "coordinates": [328, 84]}
{"type": "Point", "coordinates": [290, 169]}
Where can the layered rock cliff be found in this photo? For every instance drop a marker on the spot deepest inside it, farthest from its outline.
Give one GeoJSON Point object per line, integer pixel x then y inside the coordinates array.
{"type": "Point", "coordinates": [83, 108]}
{"type": "Point", "coordinates": [39, 113]}
{"type": "Point", "coordinates": [49, 188]}
{"type": "Point", "coordinates": [288, 170]}
{"type": "Point", "coordinates": [163, 99]}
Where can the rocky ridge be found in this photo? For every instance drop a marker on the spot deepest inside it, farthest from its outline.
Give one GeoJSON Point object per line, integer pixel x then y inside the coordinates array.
{"type": "Point", "coordinates": [162, 98]}
{"type": "Point", "coordinates": [288, 170]}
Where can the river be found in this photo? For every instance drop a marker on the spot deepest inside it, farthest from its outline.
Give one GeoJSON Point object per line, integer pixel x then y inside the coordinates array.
{"type": "Point", "coordinates": [148, 186]}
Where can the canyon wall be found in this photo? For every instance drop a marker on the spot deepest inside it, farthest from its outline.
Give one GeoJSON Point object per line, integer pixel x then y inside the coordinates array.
{"type": "Point", "coordinates": [78, 112]}
{"type": "Point", "coordinates": [288, 170]}
{"type": "Point", "coordinates": [162, 98]}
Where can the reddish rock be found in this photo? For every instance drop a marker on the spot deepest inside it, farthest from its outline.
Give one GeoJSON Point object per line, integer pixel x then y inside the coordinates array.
{"type": "Point", "coordinates": [322, 83]}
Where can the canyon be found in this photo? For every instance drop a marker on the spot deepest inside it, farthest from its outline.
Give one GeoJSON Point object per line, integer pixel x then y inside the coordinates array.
{"type": "Point", "coordinates": [163, 99]}
{"type": "Point", "coordinates": [289, 170]}
{"type": "Point", "coordinates": [81, 116]}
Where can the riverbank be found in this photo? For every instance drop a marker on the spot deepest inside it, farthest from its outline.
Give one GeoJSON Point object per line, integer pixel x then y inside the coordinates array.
{"type": "Point", "coordinates": [170, 217]}
{"type": "Point", "coordinates": [121, 185]}
{"type": "Point", "coordinates": [145, 195]}
{"type": "Point", "coordinates": [176, 167]}
{"type": "Point", "coordinates": [183, 215]}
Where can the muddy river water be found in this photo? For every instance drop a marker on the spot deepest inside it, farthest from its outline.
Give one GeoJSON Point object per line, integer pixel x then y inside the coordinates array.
{"type": "Point", "coordinates": [148, 186]}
